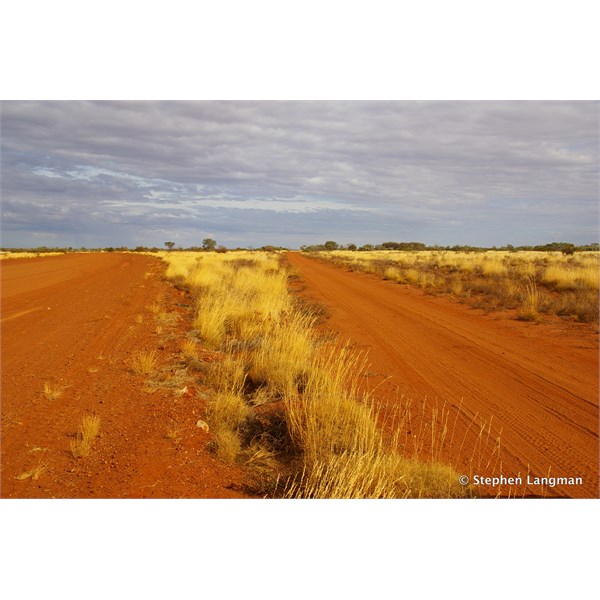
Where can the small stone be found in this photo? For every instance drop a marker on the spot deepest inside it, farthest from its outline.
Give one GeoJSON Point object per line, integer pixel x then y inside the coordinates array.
{"type": "Point", "coordinates": [203, 425]}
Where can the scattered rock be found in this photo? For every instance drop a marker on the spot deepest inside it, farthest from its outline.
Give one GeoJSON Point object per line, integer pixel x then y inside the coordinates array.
{"type": "Point", "coordinates": [203, 425]}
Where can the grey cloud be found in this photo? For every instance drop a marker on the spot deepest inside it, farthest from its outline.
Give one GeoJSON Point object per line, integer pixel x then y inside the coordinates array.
{"type": "Point", "coordinates": [447, 171]}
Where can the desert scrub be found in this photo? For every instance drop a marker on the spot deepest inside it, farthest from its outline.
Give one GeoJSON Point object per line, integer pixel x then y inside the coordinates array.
{"type": "Point", "coordinates": [533, 282]}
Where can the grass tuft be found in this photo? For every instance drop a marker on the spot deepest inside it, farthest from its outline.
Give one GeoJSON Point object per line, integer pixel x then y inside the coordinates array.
{"type": "Point", "coordinates": [530, 303]}
{"type": "Point", "coordinates": [88, 430]}
{"type": "Point", "coordinates": [143, 362]}
{"type": "Point", "coordinates": [37, 471]}
{"type": "Point", "coordinates": [52, 391]}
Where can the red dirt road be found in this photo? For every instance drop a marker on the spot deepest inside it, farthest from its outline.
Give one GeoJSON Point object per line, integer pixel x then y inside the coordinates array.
{"type": "Point", "coordinates": [75, 321]}
{"type": "Point", "coordinates": [535, 386]}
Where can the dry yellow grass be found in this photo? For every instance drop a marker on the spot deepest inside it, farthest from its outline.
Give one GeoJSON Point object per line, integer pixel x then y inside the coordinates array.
{"type": "Point", "coordinates": [144, 362]}
{"type": "Point", "coordinates": [493, 267]}
{"type": "Point", "coordinates": [53, 391]}
{"type": "Point", "coordinates": [190, 349]}
{"type": "Point", "coordinates": [344, 452]}
{"type": "Point", "coordinates": [88, 430]}
{"type": "Point", "coordinates": [393, 274]}
{"type": "Point", "coordinates": [9, 255]}
{"type": "Point", "coordinates": [236, 293]}
{"type": "Point", "coordinates": [375, 474]}
{"type": "Point", "coordinates": [154, 308]}
{"type": "Point", "coordinates": [227, 410]}
{"type": "Point", "coordinates": [228, 445]}
{"type": "Point", "coordinates": [36, 472]}
{"type": "Point", "coordinates": [270, 352]}
{"type": "Point", "coordinates": [564, 285]}
{"type": "Point", "coordinates": [529, 310]}
{"type": "Point", "coordinates": [282, 357]}
{"type": "Point", "coordinates": [227, 414]}
{"type": "Point", "coordinates": [227, 373]}
{"type": "Point", "coordinates": [564, 277]}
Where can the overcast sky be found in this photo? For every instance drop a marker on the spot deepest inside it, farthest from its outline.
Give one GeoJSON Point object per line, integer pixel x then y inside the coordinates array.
{"type": "Point", "coordinates": [249, 173]}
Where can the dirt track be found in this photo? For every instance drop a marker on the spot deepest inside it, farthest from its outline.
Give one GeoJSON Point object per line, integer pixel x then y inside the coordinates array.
{"type": "Point", "coordinates": [536, 386]}
{"type": "Point", "coordinates": [75, 321]}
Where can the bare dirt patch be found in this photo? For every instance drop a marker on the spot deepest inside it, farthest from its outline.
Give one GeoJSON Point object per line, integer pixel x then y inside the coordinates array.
{"type": "Point", "coordinates": [534, 385]}
{"type": "Point", "coordinates": [71, 328]}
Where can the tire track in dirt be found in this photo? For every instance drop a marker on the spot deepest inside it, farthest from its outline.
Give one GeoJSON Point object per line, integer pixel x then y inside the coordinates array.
{"type": "Point", "coordinates": [75, 321]}
{"type": "Point", "coordinates": [535, 386]}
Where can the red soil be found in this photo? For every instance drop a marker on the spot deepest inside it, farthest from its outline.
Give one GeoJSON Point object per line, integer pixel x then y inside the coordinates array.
{"type": "Point", "coordinates": [76, 321]}
{"type": "Point", "coordinates": [534, 385]}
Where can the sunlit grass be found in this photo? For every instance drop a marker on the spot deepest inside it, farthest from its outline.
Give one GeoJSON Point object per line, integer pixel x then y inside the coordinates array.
{"type": "Point", "coordinates": [564, 285]}
{"type": "Point", "coordinates": [268, 351]}
{"type": "Point", "coordinates": [88, 430]}
{"type": "Point", "coordinates": [283, 355]}
{"type": "Point", "coordinates": [563, 277]}
{"type": "Point", "coordinates": [144, 362]}
{"type": "Point", "coordinates": [38, 470]}
{"type": "Point", "coordinates": [345, 454]}
{"type": "Point", "coordinates": [9, 255]}
{"type": "Point", "coordinates": [53, 391]}
{"type": "Point", "coordinates": [529, 310]}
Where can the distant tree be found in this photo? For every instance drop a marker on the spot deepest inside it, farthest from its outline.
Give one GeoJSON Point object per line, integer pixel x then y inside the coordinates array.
{"type": "Point", "coordinates": [594, 247]}
{"type": "Point", "coordinates": [169, 245]}
{"type": "Point", "coordinates": [221, 249]}
{"type": "Point", "coordinates": [208, 244]}
{"type": "Point", "coordinates": [351, 247]}
{"type": "Point", "coordinates": [391, 245]}
{"type": "Point", "coordinates": [330, 245]}
{"type": "Point", "coordinates": [564, 247]}
{"type": "Point", "coordinates": [314, 248]}
{"type": "Point", "coordinates": [366, 248]}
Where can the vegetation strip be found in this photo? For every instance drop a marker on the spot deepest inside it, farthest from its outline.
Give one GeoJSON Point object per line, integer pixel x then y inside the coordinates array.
{"type": "Point", "coordinates": [285, 400]}
{"type": "Point", "coordinates": [533, 283]}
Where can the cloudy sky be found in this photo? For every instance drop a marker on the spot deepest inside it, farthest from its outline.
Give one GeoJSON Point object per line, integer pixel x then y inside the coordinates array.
{"type": "Point", "coordinates": [249, 173]}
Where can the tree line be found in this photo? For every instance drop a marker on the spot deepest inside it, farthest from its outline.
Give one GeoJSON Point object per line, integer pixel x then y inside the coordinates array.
{"type": "Point", "coordinates": [564, 247]}
{"type": "Point", "coordinates": [210, 245]}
